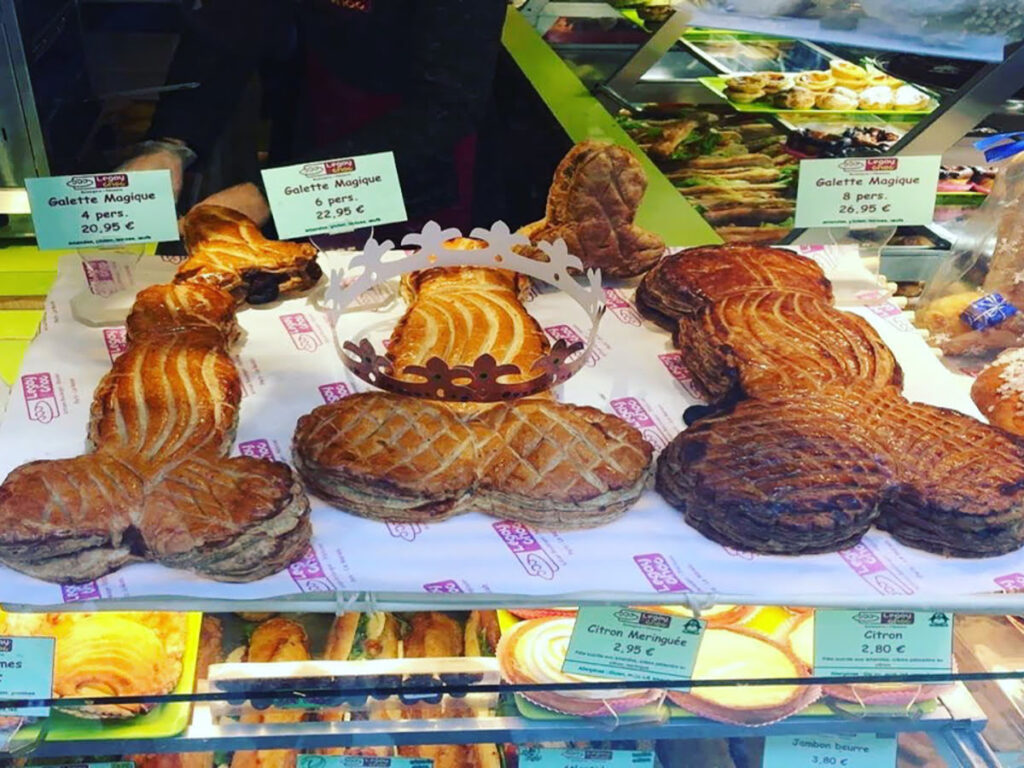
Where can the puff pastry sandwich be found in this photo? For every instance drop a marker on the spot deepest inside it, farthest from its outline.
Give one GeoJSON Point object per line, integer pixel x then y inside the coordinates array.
{"type": "Point", "coordinates": [227, 250]}
{"type": "Point", "coordinates": [157, 484]}
{"type": "Point", "coordinates": [459, 313]}
{"type": "Point", "coordinates": [826, 445]}
{"type": "Point", "coordinates": [390, 457]}
{"type": "Point", "coordinates": [592, 205]}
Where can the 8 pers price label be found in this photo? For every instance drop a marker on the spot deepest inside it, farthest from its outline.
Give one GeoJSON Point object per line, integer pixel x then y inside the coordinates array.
{"type": "Point", "coordinates": [858, 750]}
{"type": "Point", "coordinates": [105, 209]}
{"type": "Point", "coordinates": [633, 643]}
{"type": "Point", "coordinates": [867, 191]}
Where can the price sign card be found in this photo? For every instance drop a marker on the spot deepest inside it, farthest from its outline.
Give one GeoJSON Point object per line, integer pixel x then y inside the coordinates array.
{"type": "Point", "coordinates": [539, 757]}
{"type": "Point", "coordinates": [857, 642]}
{"type": "Point", "coordinates": [629, 643]}
{"type": "Point", "coordinates": [856, 750]}
{"type": "Point", "coordinates": [335, 195]}
{"type": "Point", "coordinates": [106, 209]}
{"type": "Point", "coordinates": [872, 191]}
{"type": "Point", "coordinates": [352, 761]}
{"type": "Point", "coordinates": [26, 672]}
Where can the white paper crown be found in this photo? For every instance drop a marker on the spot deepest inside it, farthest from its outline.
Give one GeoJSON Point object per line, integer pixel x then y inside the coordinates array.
{"type": "Point", "coordinates": [483, 380]}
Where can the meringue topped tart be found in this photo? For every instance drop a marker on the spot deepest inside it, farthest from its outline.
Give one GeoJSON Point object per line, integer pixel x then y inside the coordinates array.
{"type": "Point", "coordinates": [737, 654]}
{"type": "Point", "coordinates": [533, 652]}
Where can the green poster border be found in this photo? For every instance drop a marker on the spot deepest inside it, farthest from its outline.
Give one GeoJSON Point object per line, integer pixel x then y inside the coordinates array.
{"type": "Point", "coordinates": [583, 117]}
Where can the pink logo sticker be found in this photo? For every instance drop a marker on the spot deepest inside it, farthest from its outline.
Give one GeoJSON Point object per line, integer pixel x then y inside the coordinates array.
{"type": "Point", "coordinates": [303, 335]}
{"type": "Point", "coordinates": [633, 412]}
{"type": "Point", "coordinates": [674, 365]}
{"type": "Point", "coordinates": [40, 397]}
{"type": "Point", "coordinates": [116, 340]}
{"type": "Point", "coordinates": [309, 575]}
{"type": "Point", "coordinates": [657, 570]}
{"type": "Point", "coordinates": [74, 593]}
{"type": "Point", "coordinates": [256, 449]}
{"type": "Point", "coordinates": [99, 274]}
{"type": "Point", "coordinates": [524, 545]}
{"type": "Point", "coordinates": [1011, 582]}
{"type": "Point", "coordinates": [447, 587]}
{"type": "Point", "coordinates": [570, 335]}
{"type": "Point", "coordinates": [332, 393]}
{"type": "Point", "coordinates": [621, 308]}
{"type": "Point", "coordinates": [866, 564]}
{"type": "Point", "coordinates": [404, 531]}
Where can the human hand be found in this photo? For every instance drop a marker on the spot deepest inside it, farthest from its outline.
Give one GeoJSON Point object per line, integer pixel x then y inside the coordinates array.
{"type": "Point", "coordinates": [158, 160]}
{"type": "Point", "coordinates": [244, 198]}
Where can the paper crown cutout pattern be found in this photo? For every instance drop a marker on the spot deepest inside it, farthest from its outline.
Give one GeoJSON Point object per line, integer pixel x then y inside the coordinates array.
{"type": "Point", "coordinates": [483, 380]}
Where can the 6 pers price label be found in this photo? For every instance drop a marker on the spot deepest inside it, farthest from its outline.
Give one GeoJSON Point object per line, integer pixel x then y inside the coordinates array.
{"type": "Point", "coordinates": [861, 642]}
{"type": "Point", "coordinates": [858, 750]}
{"type": "Point", "coordinates": [633, 643]}
{"type": "Point", "coordinates": [104, 209]}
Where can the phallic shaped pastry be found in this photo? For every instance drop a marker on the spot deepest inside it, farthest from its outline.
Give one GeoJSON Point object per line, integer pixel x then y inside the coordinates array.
{"type": "Point", "coordinates": [459, 313]}
{"type": "Point", "coordinates": [533, 652]}
{"type": "Point", "coordinates": [935, 479]}
{"type": "Point", "coordinates": [227, 250]}
{"type": "Point", "coordinates": [738, 654]}
{"type": "Point", "coordinates": [798, 97]}
{"type": "Point", "coordinates": [877, 97]}
{"type": "Point", "coordinates": [158, 484]}
{"type": "Point", "coordinates": [687, 281]}
{"type": "Point", "coordinates": [756, 480]}
{"type": "Point", "coordinates": [801, 643]}
{"type": "Point", "coordinates": [819, 82]}
{"type": "Point", "coordinates": [390, 457]}
{"type": "Point", "coordinates": [273, 640]}
{"type": "Point", "coordinates": [999, 391]}
{"type": "Point", "coordinates": [767, 342]}
{"type": "Point", "coordinates": [592, 205]}
{"type": "Point", "coordinates": [838, 98]}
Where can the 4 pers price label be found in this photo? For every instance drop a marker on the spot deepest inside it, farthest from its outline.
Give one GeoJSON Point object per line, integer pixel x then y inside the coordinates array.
{"type": "Point", "coordinates": [858, 750]}
{"type": "Point", "coordinates": [105, 209]}
{"type": "Point", "coordinates": [867, 191]}
{"type": "Point", "coordinates": [623, 642]}
{"type": "Point", "coordinates": [862, 642]}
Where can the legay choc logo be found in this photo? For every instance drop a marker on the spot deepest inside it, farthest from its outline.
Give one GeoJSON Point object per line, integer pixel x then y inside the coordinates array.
{"type": "Point", "coordinates": [116, 340]}
{"type": "Point", "coordinates": [256, 449]}
{"type": "Point", "coordinates": [633, 412]}
{"type": "Point", "coordinates": [328, 168]}
{"type": "Point", "coordinates": [174, 258]}
{"type": "Point", "coordinates": [99, 274]}
{"type": "Point", "coordinates": [659, 573]}
{"type": "Point", "coordinates": [101, 181]}
{"type": "Point", "coordinates": [447, 587]}
{"type": "Point", "coordinates": [302, 332]}
{"type": "Point", "coordinates": [40, 397]}
{"type": "Point", "coordinates": [404, 531]}
{"type": "Point", "coordinates": [674, 365]}
{"type": "Point", "coordinates": [309, 575]}
{"type": "Point", "coordinates": [875, 573]}
{"type": "Point", "coordinates": [332, 393]}
{"type": "Point", "coordinates": [524, 545]}
{"type": "Point", "coordinates": [1011, 582]}
{"type": "Point", "coordinates": [75, 593]}
{"type": "Point", "coordinates": [870, 164]}
{"type": "Point", "coordinates": [621, 308]}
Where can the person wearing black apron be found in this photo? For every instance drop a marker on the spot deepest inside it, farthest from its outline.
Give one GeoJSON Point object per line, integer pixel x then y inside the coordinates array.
{"type": "Point", "coordinates": [340, 78]}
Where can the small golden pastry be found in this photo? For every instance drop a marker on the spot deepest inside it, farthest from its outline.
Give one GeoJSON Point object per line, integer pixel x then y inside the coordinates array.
{"type": "Point", "coordinates": [877, 97]}
{"type": "Point", "coordinates": [848, 74]}
{"type": "Point", "coordinates": [999, 391]}
{"type": "Point", "coordinates": [907, 98]}
{"type": "Point", "coordinates": [838, 98]}
{"type": "Point", "coordinates": [738, 654]}
{"type": "Point", "coordinates": [797, 97]}
{"type": "Point", "coordinates": [880, 78]}
{"type": "Point", "coordinates": [751, 83]}
{"type": "Point", "coordinates": [433, 635]}
{"type": "Point", "coordinates": [482, 633]}
{"type": "Point", "coordinates": [744, 97]}
{"type": "Point", "coordinates": [777, 82]}
{"type": "Point", "coordinates": [818, 82]}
